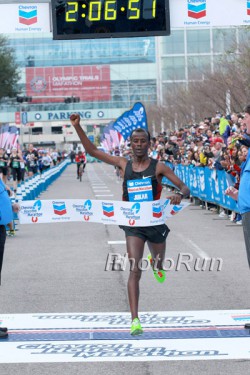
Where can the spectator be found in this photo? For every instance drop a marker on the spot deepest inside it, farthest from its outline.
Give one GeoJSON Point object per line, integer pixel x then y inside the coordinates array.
{"type": "Point", "coordinates": [72, 156]}
{"type": "Point", "coordinates": [242, 195]}
{"type": "Point", "coordinates": [6, 216]}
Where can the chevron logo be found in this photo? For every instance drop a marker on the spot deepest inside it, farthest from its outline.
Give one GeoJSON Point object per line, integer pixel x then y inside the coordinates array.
{"type": "Point", "coordinates": [157, 212]}
{"type": "Point", "coordinates": [59, 208]}
{"type": "Point", "coordinates": [108, 209]}
{"type": "Point", "coordinates": [27, 14]}
{"type": "Point", "coordinates": [197, 8]}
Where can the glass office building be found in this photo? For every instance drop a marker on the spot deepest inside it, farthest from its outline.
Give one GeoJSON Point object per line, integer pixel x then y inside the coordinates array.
{"type": "Point", "coordinates": [136, 66]}
{"type": "Point", "coordinates": [127, 69]}
{"type": "Point", "coordinates": [187, 53]}
{"type": "Point", "coordinates": [108, 76]}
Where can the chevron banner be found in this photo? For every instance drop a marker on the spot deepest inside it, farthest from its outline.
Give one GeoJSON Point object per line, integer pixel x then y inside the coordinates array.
{"type": "Point", "coordinates": [98, 211]}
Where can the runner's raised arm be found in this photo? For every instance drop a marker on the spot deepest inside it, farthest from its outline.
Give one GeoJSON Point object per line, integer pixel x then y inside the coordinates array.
{"type": "Point", "coordinates": [92, 150]}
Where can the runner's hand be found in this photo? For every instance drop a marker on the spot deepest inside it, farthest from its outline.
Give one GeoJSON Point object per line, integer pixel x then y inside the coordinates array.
{"type": "Point", "coordinates": [175, 199]}
{"type": "Point", "coordinates": [75, 119]}
{"type": "Point", "coordinates": [15, 207]}
{"type": "Point", "coordinates": [232, 192]}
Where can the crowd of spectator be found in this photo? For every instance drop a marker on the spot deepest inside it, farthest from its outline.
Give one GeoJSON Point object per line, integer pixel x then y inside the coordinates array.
{"type": "Point", "coordinates": [17, 164]}
{"type": "Point", "coordinates": [215, 142]}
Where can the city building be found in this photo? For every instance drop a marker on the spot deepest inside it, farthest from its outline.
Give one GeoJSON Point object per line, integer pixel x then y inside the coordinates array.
{"type": "Point", "coordinates": [99, 78]}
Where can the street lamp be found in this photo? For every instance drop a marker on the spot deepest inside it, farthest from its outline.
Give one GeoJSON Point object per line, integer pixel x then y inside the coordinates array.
{"type": "Point", "coordinates": [119, 74]}
{"type": "Point", "coordinates": [22, 99]}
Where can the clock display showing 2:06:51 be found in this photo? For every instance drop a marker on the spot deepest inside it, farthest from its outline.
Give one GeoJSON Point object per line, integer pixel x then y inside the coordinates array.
{"type": "Point", "coordinates": [108, 10]}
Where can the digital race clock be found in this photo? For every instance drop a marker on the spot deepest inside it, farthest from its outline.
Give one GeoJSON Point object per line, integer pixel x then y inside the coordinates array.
{"type": "Point", "coordinates": [109, 18]}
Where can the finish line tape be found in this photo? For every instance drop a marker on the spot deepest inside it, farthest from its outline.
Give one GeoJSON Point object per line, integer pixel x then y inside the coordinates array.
{"type": "Point", "coordinates": [98, 211]}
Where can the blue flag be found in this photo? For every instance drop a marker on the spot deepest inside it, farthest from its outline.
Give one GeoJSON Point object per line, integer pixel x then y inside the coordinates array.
{"type": "Point", "coordinates": [130, 120]}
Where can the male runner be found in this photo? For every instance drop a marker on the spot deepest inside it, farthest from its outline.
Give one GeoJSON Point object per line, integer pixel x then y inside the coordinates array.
{"type": "Point", "coordinates": [140, 167]}
{"type": "Point", "coordinates": [80, 159]}
{"type": "Point", "coordinates": [31, 158]}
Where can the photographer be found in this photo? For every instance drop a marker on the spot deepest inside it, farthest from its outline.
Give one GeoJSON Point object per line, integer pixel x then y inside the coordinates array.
{"type": "Point", "coordinates": [172, 148]}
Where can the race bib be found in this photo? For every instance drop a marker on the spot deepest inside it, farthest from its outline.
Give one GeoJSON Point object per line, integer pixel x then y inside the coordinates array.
{"type": "Point", "coordinates": [15, 164]}
{"type": "Point", "coordinates": [140, 190]}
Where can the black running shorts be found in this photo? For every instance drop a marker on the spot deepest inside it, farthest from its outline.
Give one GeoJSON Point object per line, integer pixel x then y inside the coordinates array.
{"type": "Point", "coordinates": [154, 234]}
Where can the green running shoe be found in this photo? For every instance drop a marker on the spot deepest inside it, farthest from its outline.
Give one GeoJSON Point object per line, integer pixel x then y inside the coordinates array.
{"type": "Point", "coordinates": [136, 328]}
{"type": "Point", "coordinates": [159, 275]}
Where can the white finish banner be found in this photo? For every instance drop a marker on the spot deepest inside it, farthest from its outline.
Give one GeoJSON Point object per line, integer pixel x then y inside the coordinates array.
{"type": "Point", "coordinates": [98, 211]}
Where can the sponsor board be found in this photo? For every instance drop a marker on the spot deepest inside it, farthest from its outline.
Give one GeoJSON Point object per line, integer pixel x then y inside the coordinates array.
{"type": "Point", "coordinates": [206, 13]}
{"type": "Point", "coordinates": [101, 337]}
{"type": "Point", "coordinates": [24, 18]}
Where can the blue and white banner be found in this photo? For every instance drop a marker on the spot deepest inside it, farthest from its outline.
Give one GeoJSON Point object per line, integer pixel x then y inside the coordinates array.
{"type": "Point", "coordinates": [98, 211]}
{"type": "Point", "coordinates": [206, 184]}
{"type": "Point", "coordinates": [131, 120]}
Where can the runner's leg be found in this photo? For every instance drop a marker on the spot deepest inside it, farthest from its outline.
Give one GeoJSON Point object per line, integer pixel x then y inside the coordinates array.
{"type": "Point", "coordinates": [135, 248]}
{"type": "Point", "coordinates": [78, 166]}
{"type": "Point", "coordinates": [157, 251]}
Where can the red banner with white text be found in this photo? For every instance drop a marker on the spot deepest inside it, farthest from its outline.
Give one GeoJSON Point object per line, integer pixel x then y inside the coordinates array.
{"type": "Point", "coordinates": [89, 83]}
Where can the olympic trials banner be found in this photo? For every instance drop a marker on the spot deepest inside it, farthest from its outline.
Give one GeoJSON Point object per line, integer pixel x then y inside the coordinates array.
{"type": "Point", "coordinates": [98, 211]}
{"type": "Point", "coordinates": [131, 120]}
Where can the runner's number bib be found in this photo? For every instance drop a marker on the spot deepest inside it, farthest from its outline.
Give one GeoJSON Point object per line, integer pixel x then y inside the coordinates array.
{"type": "Point", "coordinates": [140, 190]}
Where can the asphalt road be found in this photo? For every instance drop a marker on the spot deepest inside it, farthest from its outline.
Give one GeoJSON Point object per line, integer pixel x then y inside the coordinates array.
{"type": "Point", "coordinates": [60, 268]}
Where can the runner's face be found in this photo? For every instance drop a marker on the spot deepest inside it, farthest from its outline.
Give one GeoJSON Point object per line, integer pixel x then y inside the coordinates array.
{"type": "Point", "coordinates": [140, 144]}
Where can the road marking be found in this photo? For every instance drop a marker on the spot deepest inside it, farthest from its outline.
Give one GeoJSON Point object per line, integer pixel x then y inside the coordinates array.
{"type": "Point", "coordinates": [116, 242]}
{"type": "Point", "coordinates": [193, 246]}
{"type": "Point", "coordinates": [198, 250]}
{"type": "Point", "coordinates": [104, 195]}
{"type": "Point", "coordinates": [99, 190]}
